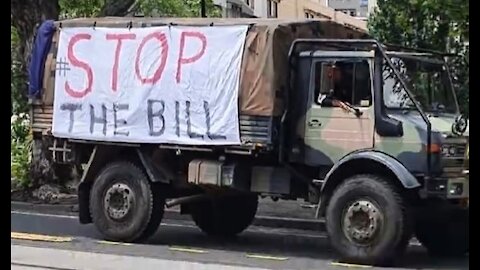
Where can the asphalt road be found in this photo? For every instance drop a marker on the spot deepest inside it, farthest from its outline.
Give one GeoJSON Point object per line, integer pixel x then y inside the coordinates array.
{"type": "Point", "coordinates": [181, 241]}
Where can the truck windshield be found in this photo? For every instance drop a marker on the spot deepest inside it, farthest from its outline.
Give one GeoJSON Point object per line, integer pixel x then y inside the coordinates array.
{"type": "Point", "coordinates": [428, 80]}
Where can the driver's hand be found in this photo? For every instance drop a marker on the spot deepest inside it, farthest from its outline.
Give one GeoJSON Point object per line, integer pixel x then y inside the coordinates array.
{"type": "Point", "coordinates": [338, 103]}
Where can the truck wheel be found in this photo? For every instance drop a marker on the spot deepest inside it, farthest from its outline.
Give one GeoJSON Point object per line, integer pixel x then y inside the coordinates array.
{"type": "Point", "coordinates": [443, 229]}
{"type": "Point", "coordinates": [124, 205]}
{"type": "Point", "coordinates": [367, 220]}
{"type": "Point", "coordinates": [225, 216]}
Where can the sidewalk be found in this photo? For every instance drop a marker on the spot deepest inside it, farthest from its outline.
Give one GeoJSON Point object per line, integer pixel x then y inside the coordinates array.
{"type": "Point", "coordinates": [23, 257]}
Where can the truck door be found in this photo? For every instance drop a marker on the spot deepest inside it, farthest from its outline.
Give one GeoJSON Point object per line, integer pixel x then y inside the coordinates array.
{"type": "Point", "coordinates": [332, 132]}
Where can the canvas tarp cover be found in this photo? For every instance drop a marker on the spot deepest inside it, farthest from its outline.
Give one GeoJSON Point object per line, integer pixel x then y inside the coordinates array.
{"type": "Point", "coordinates": [264, 66]}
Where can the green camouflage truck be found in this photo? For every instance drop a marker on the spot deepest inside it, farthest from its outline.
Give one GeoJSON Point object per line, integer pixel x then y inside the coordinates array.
{"type": "Point", "coordinates": [210, 114]}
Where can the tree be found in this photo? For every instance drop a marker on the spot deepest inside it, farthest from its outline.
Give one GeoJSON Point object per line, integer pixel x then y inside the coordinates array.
{"type": "Point", "coordinates": [25, 15]}
{"type": "Point", "coordinates": [175, 8]}
{"type": "Point", "coordinates": [440, 25]}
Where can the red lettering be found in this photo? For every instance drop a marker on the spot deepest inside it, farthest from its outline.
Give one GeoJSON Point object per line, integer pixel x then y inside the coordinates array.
{"type": "Point", "coordinates": [194, 58]}
{"type": "Point", "coordinates": [119, 38]}
{"type": "Point", "coordinates": [158, 73]}
{"type": "Point", "coordinates": [77, 63]}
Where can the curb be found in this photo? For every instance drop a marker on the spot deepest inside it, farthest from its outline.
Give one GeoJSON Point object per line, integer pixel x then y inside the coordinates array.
{"type": "Point", "coordinates": [263, 221]}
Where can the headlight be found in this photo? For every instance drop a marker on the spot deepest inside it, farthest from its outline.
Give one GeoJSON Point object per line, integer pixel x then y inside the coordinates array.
{"type": "Point", "coordinates": [449, 150]}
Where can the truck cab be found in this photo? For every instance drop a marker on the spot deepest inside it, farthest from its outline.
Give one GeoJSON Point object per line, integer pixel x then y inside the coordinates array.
{"type": "Point", "coordinates": [399, 120]}
{"type": "Point", "coordinates": [413, 118]}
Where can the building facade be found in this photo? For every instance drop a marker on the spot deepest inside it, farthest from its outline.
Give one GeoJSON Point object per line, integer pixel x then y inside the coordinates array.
{"type": "Point", "coordinates": [248, 8]}
{"type": "Point", "coordinates": [354, 8]}
{"type": "Point", "coordinates": [296, 9]}
{"type": "Point", "coordinates": [235, 8]}
{"type": "Point", "coordinates": [316, 9]}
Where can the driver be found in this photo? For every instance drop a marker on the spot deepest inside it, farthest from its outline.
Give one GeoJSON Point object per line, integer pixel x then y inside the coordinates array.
{"type": "Point", "coordinates": [337, 94]}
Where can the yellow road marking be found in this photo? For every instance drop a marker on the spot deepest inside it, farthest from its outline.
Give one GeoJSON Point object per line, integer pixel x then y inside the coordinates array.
{"type": "Point", "coordinates": [266, 257]}
{"type": "Point", "coordinates": [350, 265]}
{"type": "Point", "coordinates": [39, 237]}
{"type": "Point", "coordinates": [191, 250]}
{"type": "Point", "coordinates": [113, 243]}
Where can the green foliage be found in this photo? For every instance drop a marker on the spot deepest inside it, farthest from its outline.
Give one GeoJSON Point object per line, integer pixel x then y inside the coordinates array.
{"type": "Point", "coordinates": [194, 8]}
{"type": "Point", "coordinates": [440, 25]}
{"type": "Point", "coordinates": [21, 147]}
{"type": "Point", "coordinates": [158, 8]}
{"type": "Point", "coordinates": [17, 78]}
{"type": "Point", "coordinates": [175, 8]}
{"type": "Point", "coordinates": [79, 8]}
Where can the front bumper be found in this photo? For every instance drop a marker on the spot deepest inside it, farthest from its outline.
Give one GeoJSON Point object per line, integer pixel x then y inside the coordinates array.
{"type": "Point", "coordinates": [448, 188]}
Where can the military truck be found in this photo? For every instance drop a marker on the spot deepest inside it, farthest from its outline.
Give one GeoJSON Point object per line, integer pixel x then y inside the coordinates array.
{"type": "Point", "coordinates": [389, 163]}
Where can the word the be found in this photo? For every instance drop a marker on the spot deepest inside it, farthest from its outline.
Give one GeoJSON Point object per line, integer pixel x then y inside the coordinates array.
{"type": "Point", "coordinates": [155, 114]}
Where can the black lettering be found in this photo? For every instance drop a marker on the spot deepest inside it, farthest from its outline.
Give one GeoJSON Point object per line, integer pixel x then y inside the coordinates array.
{"type": "Point", "coordinates": [177, 118]}
{"type": "Point", "coordinates": [189, 124]}
{"type": "Point", "coordinates": [210, 135]}
{"type": "Point", "coordinates": [98, 120]}
{"type": "Point", "coordinates": [72, 107]}
{"type": "Point", "coordinates": [116, 122]}
{"type": "Point", "coordinates": [158, 114]}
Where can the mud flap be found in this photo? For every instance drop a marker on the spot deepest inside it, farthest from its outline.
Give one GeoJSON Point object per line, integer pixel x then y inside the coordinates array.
{"type": "Point", "coordinates": [83, 203]}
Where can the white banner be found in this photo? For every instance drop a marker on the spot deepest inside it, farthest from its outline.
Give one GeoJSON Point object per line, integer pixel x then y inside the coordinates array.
{"type": "Point", "coordinates": [167, 84]}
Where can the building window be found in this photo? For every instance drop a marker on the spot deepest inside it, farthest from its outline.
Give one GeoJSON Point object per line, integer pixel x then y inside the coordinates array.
{"type": "Point", "coordinates": [274, 9]}
{"type": "Point", "coordinates": [269, 8]}
{"type": "Point", "coordinates": [236, 11]}
{"type": "Point", "coordinates": [351, 12]}
{"type": "Point", "coordinates": [308, 15]}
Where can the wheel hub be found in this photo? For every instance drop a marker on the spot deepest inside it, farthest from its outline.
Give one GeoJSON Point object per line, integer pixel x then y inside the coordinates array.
{"type": "Point", "coordinates": [361, 222]}
{"type": "Point", "coordinates": [118, 201]}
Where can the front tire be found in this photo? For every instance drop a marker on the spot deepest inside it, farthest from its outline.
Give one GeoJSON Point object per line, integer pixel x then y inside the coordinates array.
{"type": "Point", "coordinates": [124, 205]}
{"type": "Point", "coordinates": [225, 216]}
{"type": "Point", "coordinates": [367, 220]}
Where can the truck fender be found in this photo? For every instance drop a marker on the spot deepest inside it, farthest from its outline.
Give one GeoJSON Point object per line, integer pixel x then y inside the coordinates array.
{"type": "Point", "coordinates": [342, 167]}
{"type": "Point", "coordinates": [98, 158]}
{"type": "Point", "coordinates": [155, 174]}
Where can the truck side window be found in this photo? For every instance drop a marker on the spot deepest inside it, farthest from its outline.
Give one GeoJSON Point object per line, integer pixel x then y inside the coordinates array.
{"type": "Point", "coordinates": [329, 82]}
{"type": "Point", "coordinates": [362, 92]}
{"type": "Point", "coordinates": [345, 80]}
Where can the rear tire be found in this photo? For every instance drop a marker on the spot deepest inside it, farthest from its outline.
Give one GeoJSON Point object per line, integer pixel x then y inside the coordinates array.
{"type": "Point", "coordinates": [367, 220]}
{"type": "Point", "coordinates": [443, 229]}
{"type": "Point", "coordinates": [124, 205]}
{"type": "Point", "coordinates": [225, 216]}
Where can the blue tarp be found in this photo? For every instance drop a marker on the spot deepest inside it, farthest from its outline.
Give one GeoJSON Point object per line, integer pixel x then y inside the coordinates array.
{"type": "Point", "coordinates": [41, 48]}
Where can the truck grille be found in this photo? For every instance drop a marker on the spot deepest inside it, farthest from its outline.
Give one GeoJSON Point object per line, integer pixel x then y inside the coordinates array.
{"type": "Point", "coordinates": [453, 158]}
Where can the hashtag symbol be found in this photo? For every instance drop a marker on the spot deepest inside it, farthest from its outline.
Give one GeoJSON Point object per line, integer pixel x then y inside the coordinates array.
{"type": "Point", "coordinates": [62, 65]}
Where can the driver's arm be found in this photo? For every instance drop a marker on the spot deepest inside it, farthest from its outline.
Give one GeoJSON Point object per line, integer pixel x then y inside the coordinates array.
{"type": "Point", "coordinates": [329, 101]}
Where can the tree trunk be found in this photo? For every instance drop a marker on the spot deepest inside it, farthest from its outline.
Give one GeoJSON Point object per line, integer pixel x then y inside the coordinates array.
{"type": "Point", "coordinates": [25, 16]}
